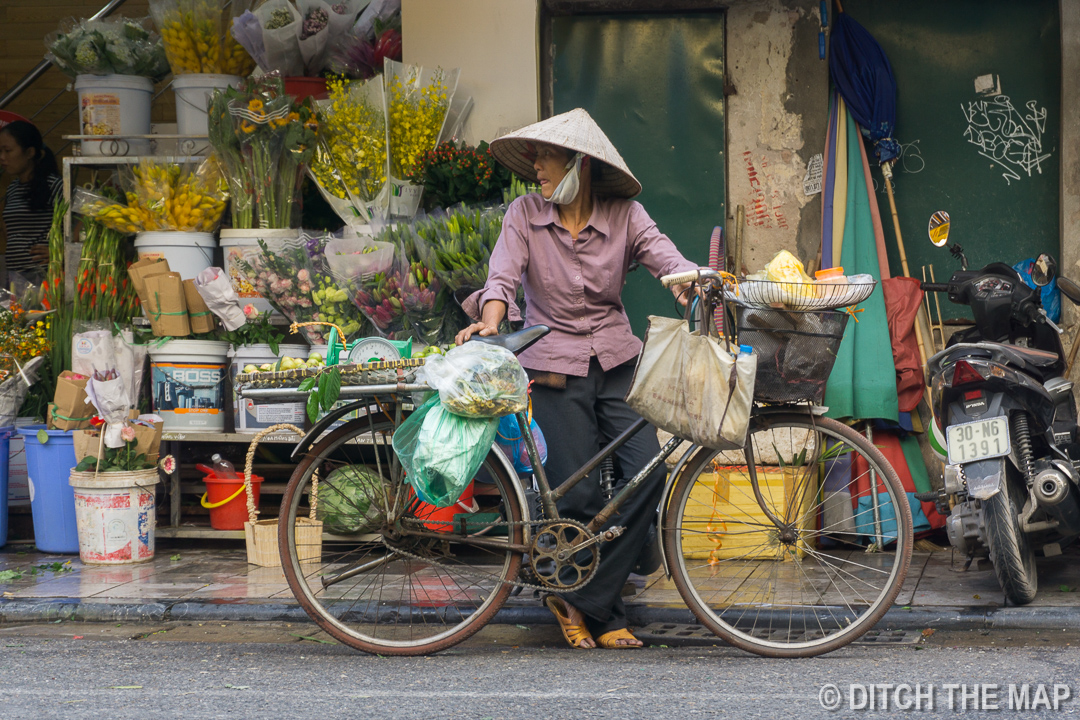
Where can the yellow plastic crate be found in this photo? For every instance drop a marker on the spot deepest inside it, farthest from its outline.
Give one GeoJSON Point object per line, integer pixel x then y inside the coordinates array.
{"type": "Point", "coordinates": [719, 517]}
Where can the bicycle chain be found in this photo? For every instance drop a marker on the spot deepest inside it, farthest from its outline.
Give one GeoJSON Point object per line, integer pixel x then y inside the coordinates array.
{"type": "Point", "coordinates": [513, 583]}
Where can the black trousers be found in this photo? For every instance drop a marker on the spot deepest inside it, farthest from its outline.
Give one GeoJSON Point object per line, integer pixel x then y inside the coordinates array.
{"type": "Point", "coordinates": [576, 423]}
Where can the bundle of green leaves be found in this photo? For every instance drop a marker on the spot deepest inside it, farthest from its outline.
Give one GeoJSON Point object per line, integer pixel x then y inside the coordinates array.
{"type": "Point", "coordinates": [117, 46]}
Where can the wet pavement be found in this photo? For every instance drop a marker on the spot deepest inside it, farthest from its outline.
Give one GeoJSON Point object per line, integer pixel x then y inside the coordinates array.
{"type": "Point", "coordinates": [218, 583]}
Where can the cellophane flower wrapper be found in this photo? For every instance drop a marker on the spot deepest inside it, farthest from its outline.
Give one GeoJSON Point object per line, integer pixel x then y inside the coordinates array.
{"type": "Point", "coordinates": [281, 43]}
{"type": "Point", "coordinates": [279, 273]}
{"type": "Point", "coordinates": [417, 102]}
{"type": "Point", "coordinates": [247, 31]}
{"type": "Point", "coordinates": [376, 10]}
{"type": "Point", "coordinates": [332, 304]}
{"type": "Point", "coordinates": [422, 293]}
{"type": "Point", "coordinates": [196, 38]}
{"type": "Point", "coordinates": [314, 35]}
{"type": "Point", "coordinates": [222, 132]}
{"type": "Point", "coordinates": [235, 58]}
{"type": "Point", "coordinates": [462, 240]}
{"type": "Point", "coordinates": [217, 292]}
{"type": "Point", "coordinates": [374, 287]}
{"type": "Point", "coordinates": [342, 17]}
{"type": "Point", "coordinates": [188, 197]}
{"type": "Point", "coordinates": [120, 46]}
{"type": "Point", "coordinates": [350, 162]}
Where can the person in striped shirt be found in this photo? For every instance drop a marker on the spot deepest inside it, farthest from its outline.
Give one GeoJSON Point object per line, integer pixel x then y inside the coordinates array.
{"type": "Point", "coordinates": [28, 204]}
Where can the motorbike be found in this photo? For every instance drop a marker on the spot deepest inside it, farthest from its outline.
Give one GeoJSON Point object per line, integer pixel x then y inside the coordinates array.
{"type": "Point", "coordinates": [999, 395]}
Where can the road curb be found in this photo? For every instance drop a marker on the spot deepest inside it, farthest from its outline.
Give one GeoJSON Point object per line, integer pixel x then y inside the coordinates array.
{"type": "Point", "coordinates": [31, 610]}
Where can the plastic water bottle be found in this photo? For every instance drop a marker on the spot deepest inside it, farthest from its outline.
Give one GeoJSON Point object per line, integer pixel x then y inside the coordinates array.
{"type": "Point", "coordinates": [222, 467]}
{"type": "Point", "coordinates": [746, 350]}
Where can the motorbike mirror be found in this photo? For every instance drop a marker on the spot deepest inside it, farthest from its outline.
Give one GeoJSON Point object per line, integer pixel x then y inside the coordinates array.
{"type": "Point", "coordinates": [939, 228]}
{"type": "Point", "coordinates": [1043, 270]}
{"type": "Point", "coordinates": [1069, 289]}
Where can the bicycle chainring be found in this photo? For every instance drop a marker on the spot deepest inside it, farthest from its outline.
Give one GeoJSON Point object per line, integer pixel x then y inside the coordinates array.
{"type": "Point", "coordinates": [553, 563]}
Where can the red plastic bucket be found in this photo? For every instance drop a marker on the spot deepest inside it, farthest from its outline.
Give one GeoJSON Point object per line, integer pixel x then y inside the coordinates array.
{"type": "Point", "coordinates": [227, 501]}
{"type": "Point", "coordinates": [306, 87]}
{"type": "Point", "coordinates": [438, 515]}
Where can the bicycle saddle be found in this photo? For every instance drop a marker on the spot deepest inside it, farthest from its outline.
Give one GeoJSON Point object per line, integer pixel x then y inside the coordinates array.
{"type": "Point", "coordinates": [518, 341]}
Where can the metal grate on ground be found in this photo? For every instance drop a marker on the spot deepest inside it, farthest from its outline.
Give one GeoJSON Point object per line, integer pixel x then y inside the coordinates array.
{"type": "Point", "coordinates": [677, 634]}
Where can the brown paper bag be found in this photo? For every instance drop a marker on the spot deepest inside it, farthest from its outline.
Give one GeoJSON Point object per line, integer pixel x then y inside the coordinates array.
{"type": "Point", "coordinates": [202, 320]}
{"type": "Point", "coordinates": [147, 442]}
{"type": "Point", "coordinates": [141, 269]}
{"type": "Point", "coordinates": [166, 305]}
{"type": "Point", "coordinates": [69, 409]}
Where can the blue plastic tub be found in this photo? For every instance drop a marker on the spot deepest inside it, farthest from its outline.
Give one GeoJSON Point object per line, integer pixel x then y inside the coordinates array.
{"type": "Point", "coordinates": [5, 452]}
{"type": "Point", "coordinates": [52, 499]}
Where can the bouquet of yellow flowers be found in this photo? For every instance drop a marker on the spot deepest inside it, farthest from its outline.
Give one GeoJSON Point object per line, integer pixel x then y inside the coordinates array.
{"type": "Point", "coordinates": [196, 38]}
{"type": "Point", "coordinates": [417, 102]}
{"type": "Point", "coordinates": [162, 197]}
{"type": "Point", "coordinates": [350, 162]}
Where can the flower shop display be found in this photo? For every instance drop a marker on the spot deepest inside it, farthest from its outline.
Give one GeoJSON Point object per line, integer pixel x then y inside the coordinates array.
{"type": "Point", "coordinates": [113, 46]}
{"type": "Point", "coordinates": [185, 198]}
{"type": "Point", "coordinates": [257, 345]}
{"type": "Point", "coordinates": [24, 346]}
{"type": "Point", "coordinates": [350, 163]}
{"type": "Point", "coordinates": [195, 37]}
{"type": "Point", "coordinates": [284, 273]}
{"type": "Point", "coordinates": [361, 53]}
{"type": "Point", "coordinates": [265, 141]}
{"type": "Point", "coordinates": [103, 290]}
{"type": "Point", "coordinates": [294, 38]}
{"type": "Point", "coordinates": [417, 102]}
{"type": "Point", "coordinates": [458, 173]}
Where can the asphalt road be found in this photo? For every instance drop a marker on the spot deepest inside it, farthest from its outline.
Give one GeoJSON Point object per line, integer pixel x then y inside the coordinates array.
{"type": "Point", "coordinates": [273, 671]}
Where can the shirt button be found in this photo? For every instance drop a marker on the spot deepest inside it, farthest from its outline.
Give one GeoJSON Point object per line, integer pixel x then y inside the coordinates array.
{"type": "Point", "coordinates": [577, 277]}
{"type": "Point", "coordinates": [589, 335]}
{"type": "Point", "coordinates": [581, 319]}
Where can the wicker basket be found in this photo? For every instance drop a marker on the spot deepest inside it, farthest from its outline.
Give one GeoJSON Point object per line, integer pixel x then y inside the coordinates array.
{"type": "Point", "coordinates": [391, 371]}
{"type": "Point", "coordinates": [261, 536]}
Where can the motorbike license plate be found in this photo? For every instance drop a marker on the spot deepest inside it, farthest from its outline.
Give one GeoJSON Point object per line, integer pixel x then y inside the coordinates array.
{"type": "Point", "coordinates": [978, 440]}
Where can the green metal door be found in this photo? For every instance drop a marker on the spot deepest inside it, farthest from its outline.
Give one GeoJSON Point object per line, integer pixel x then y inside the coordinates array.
{"type": "Point", "coordinates": [655, 85]}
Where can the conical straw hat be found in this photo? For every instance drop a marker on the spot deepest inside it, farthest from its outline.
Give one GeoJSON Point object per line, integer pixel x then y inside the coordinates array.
{"type": "Point", "coordinates": [576, 131]}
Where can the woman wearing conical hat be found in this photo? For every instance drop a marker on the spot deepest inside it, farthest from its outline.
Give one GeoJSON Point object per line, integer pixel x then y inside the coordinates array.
{"type": "Point", "coordinates": [569, 247]}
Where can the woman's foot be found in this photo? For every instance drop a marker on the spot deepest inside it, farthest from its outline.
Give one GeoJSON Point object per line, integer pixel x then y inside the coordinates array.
{"type": "Point", "coordinates": [571, 622]}
{"type": "Point", "coordinates": [619, 640]}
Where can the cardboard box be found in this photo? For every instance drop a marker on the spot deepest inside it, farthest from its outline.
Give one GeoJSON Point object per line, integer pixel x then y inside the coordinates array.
{"type": "Point", "coordinates": [69, 409]}
{"type": "Point", "coordinates": [147, 441]}
{"type": "Point", "coordinates": [167, 305]}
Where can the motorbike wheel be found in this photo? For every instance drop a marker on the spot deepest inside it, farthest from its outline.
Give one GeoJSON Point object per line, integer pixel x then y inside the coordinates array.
{"type": "Point", "coordinates": [1011, 552]}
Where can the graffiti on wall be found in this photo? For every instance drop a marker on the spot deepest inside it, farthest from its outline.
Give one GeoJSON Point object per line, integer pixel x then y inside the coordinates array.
{"type": "Point", "coordinates": [765, 208]}
{"type": "Point", "coordinates": [1009, 137]}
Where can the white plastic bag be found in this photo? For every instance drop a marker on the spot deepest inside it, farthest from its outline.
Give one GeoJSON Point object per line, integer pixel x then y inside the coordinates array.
{"type": "Point", "coordinates": [217, 292]}
{"type": "Point", "coordinates": [691, 387]}
{"type": "Point", "coordinates": [313, 48]}
{"type": "Point", "coordinates": [478, 380]}
{"type": "Point", "coordinates": [281, 44]}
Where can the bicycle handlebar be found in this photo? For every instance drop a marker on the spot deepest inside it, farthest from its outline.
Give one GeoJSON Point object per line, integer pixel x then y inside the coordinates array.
{"type": "Point", "coordinates": [688, 276]}
{"type": "Point", "coordinates": [935, 287]}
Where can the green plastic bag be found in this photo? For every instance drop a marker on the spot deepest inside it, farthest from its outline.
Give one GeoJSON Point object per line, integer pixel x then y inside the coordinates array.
{"type": "Point", "coordinates": [350, 499]}
{"type": "Point", "coordinates": [441, 451]}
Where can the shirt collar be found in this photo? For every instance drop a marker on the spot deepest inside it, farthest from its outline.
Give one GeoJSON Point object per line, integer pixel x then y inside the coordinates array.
{"type": "Point", "coordinates": [549, 215]}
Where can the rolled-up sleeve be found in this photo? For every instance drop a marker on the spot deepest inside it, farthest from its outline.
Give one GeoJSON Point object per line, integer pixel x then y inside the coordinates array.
{"type": "Point", "coordinates": [508, 260]}
{"type": "Point", "coordinates": [652, 248]}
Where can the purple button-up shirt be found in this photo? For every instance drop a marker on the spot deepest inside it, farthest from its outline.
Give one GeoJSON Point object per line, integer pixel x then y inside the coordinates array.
{"type": "Point", "coordinates": [575, 287]}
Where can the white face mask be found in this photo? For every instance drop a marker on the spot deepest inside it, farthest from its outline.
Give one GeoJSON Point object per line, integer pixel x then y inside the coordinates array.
{"type": "Point", "coordinates": [571, 183]}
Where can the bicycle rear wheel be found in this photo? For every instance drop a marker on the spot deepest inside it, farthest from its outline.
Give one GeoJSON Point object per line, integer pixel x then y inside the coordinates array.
{"type": "Point", "coordinates": [373, 584]}
{"type": "Point", "coordinates": [808, 566]}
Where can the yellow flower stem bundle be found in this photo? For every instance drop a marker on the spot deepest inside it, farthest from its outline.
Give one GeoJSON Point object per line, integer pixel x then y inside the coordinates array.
{"type": "Point", "coordinates": [196, 36]}
{"type": "Point", "coordinates": [351, 164]}
{"type": "Point", "coordinates": [417, 101]}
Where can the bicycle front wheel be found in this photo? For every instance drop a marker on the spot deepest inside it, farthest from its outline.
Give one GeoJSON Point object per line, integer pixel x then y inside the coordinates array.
{"type": "Point", "coordinates": [806, 562]}
{"type": "Point", "coordinates": [389, 574]}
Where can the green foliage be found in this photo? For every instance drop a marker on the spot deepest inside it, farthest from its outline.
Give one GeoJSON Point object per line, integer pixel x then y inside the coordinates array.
{"type": "Point", "coordinates": [257, 331]}
{"type": "Point", "coordinates": [324, 392]}
{"type": "Point", "coordinates": [453, 173]}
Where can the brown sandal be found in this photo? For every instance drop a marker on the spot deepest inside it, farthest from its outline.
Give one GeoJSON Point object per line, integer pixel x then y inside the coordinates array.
{"type": "Point", "coordinates": [574, 634]}
{"type": "Point", "coordinates": [610, 640]}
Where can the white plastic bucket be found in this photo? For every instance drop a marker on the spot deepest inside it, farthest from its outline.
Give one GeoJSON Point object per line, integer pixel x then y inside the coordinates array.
{"type": "Point", "coordinates": [187, 379]}
{"type": "Point", "coordinates": [192, 98]}
{"type": "Point", "coordinates": [114, 105]}
{"type": "Point", "coordinates": [237, 245]}
{"type": "Point", "coordinates": [188, 253]}
{"type": "Point", "coordinates": [252, 417]}
{"type": "Point", "coordinates": [115, 515]}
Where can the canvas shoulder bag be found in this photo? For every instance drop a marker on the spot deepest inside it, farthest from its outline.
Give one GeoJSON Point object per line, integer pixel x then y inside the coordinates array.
{"type": "Point", "coordinates": [690, 386]}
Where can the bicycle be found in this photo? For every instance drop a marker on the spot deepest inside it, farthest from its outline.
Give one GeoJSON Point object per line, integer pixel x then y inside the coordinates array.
{"type": "Point", "coordinates": [756, 540]}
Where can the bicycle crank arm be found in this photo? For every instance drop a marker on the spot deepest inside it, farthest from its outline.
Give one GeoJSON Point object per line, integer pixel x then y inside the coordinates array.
{"type": "Point", "coordinates": [475, 541]}
{"type": "Point", "coordinates": [606, 536]}
{"type": "Point", "coordinates": [328, 580]}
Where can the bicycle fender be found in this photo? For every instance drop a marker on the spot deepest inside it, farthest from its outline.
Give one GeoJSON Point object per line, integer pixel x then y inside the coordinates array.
{"type": "Point", "coordinates": [668, 487]}
{"type": "Point", "coordinates": [985, 478]}
{"type": "Point", "coordinates": [323, 425]}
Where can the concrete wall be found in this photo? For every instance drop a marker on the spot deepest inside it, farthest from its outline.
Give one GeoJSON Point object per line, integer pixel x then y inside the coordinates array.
{"type": "Point", "coordinates": [494, 42]}
{"type": "Point", "coordinates": [776, 122]}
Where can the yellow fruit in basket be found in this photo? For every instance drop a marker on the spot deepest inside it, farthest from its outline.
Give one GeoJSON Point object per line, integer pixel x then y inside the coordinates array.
{"type": "Point", "coordinates": [250, 369]}
{"type": "Point", "coordinates": [266, 367]}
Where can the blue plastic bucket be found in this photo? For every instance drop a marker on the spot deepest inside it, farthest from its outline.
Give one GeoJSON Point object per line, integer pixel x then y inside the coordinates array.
{"type": "Point", "coordinates": [5, 452]}
{"type": "Point", "coordinates": [52, 499]}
